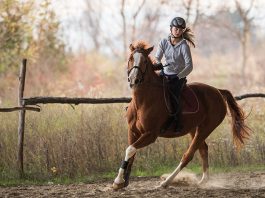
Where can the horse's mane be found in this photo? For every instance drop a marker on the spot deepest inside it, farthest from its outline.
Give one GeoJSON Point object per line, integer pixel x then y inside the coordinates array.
{"type": "Point", "coordinates": [141, 44]}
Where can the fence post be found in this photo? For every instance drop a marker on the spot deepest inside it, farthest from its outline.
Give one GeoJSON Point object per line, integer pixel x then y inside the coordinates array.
{"type": "Point", "coordinates": [21, 122]}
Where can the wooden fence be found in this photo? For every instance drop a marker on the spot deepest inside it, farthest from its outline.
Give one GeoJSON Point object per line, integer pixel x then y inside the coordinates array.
{"type": "Point", "coordinates": [23, 106]}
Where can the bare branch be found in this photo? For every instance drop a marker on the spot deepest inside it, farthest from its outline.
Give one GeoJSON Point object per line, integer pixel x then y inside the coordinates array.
{"type": "Point", "coordinates": [139, 9]}
{"type": "Point", "coordinates": [124, 28]}
{"type": "Point", "coordinates": [197, 14]}
{"type": "Point", "coordinates": [244, 34]}
{"type": "Point", "coordinates": [134, 19]}
{"type": "Point", "coordinates": [250, 7]}
{"type": "Point", "coordinates": [188, 5]}
{"type": "Point", "coordinates": [92, 22]}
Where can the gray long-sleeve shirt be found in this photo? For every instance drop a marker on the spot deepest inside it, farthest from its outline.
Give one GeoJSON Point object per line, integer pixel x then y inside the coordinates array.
{"type": "Point", "coordinates": [177, 57]}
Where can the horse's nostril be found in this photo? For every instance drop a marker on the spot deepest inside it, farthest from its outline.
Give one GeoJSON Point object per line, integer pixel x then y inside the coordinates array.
{"type": "Point", "coordinates": [136, 81]}
{"type": "Point", "coordinates": [128, 79]}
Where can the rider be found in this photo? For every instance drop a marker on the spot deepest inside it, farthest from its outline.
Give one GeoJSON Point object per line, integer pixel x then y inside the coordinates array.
{"type": "Point", "coordinates": [178, 60]}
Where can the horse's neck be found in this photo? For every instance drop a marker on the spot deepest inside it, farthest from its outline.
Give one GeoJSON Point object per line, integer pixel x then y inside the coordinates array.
{"type": "Point", "coordinates": [151, 76]}
{"type": "Point", "coordinates": [150, 89]}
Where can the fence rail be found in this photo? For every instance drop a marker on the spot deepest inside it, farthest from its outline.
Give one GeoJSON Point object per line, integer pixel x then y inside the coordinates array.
{"type": "Point", "coordinates": [76, 101]}
{"type": "Point", "coordinates": [19, 108]}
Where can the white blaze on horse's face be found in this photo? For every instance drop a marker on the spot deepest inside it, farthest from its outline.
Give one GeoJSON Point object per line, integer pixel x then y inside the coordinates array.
{"type": "Point", "coordinates": [135, 73]}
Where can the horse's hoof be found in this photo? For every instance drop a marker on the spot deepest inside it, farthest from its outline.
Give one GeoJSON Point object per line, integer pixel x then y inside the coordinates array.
{"type": "Point", "coordinates": [203, 181]}
{"type": "Point", "coordinates": [116, 186]}
{"type": "Point", "coordinates": [163, 185]}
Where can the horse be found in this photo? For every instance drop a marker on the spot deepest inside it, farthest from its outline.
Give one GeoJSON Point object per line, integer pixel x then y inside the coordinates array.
{"type": "Point", "coordinates": [147, 112]}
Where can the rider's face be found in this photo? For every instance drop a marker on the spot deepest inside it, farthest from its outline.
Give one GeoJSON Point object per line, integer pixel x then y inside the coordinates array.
{"type": "Point", "coordinates": [177, 32]}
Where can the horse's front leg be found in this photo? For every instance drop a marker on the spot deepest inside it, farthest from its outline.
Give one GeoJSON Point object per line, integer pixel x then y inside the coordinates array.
{"type": "Point", "coordinates": [127, 172]}
{"type": "Point", "coordinates": [122, 180]}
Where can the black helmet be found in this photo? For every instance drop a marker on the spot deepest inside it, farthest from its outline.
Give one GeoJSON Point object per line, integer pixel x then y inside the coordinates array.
{"type": "Point", "coordinates": [178, 22]}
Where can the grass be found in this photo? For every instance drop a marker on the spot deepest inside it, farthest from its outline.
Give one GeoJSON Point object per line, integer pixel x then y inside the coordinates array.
{"type": "Point", "coordinates": [109, 176]}
{"type": "Point", "coordinates": [197, 169]}
{"type": "Point", "coordinates": [249, 168]}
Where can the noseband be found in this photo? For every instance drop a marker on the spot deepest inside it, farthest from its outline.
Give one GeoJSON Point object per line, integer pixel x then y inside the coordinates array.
{"type": "Point", "coordinates": [142, 73]}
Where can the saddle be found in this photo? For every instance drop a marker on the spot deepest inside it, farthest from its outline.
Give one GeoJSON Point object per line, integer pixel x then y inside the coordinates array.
{"type": "Point", "coordinates": [188, 104]}
{"type": "Point", "coordinates": [189, 101]}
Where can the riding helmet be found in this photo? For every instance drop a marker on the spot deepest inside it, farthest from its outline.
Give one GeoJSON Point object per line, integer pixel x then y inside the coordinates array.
{"type": "Point", "coordinates": [178, 22]}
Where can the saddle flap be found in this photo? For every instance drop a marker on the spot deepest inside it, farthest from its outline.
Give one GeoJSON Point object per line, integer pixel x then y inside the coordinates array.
{"type": "Point", "coordinates": [189, 100]}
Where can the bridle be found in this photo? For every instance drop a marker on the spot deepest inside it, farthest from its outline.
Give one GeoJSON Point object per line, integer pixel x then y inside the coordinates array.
{"type": "Point", "coordinates": [142, 73]}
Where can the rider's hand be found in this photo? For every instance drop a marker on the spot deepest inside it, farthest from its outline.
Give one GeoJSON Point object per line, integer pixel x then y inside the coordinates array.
{"type": "Point", "coordinates": [158, 66]}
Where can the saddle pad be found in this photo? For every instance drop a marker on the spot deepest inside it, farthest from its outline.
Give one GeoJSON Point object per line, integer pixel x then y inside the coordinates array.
{"type": "Point", "coordinates": [190, 103]}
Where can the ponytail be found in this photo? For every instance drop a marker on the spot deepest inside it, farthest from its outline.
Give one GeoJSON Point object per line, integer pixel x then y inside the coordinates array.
{"type": "Point", "coordinates": [189, 36]}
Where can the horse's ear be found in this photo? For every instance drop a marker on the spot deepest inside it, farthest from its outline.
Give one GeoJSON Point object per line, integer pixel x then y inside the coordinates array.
{"type": "Point", "coordinates": [149, 50]}
{"type": "Point", "coordinates": [131, 47]}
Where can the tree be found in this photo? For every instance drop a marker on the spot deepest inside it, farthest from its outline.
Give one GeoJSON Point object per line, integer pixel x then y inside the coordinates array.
{"type": "Point", "coordinates": [192, 9]}
{"type": "Point", "coordinates": [136, 13]}
{"type": "Point", "coordinates": [47, 42]}
{"type": "Point", "coordinates": [15, 32]}
{"type": "Point", "coordinates": [238, 23]}
{"type": "Point", "coordinates": [124, 28]}
{"type": "Point", "coordinates": [28, 30]}
{"type": "Point", "coordinates": [243, 32]}
{"type": "Point", "coordinates": [92, 22]}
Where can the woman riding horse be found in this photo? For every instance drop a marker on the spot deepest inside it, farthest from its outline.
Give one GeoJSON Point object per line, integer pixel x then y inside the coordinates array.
{"type": "Point", "coordinates": [176, 52]}
{"type": "Point", "coordinates": [147, 112]}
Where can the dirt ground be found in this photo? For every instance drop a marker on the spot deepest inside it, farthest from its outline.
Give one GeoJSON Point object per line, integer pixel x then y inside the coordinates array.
{"type": "Point", "coordinates": [220, 185]}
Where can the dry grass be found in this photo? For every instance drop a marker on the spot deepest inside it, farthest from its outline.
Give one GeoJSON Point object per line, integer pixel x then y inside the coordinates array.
{"type": "Point", "coordinates": [91, 139]}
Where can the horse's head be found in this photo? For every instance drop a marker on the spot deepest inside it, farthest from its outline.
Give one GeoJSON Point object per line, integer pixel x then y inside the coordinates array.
{"type": "Point", "coordinates": [138, 63]}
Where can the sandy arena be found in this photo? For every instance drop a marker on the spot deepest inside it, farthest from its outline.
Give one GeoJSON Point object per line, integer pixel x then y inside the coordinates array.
{"type": "Point", "coordinates": [220, 185]}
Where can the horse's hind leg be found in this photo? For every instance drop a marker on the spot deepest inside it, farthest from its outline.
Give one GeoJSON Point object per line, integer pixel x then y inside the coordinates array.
{"type": "Point", "coordinates": [196, 143]}
{"type": "Point", "coordinates": [203, 149]}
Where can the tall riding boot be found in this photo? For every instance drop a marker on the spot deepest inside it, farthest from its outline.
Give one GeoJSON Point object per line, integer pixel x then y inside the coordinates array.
{"type": "Point", "coordinates": [177, 122]}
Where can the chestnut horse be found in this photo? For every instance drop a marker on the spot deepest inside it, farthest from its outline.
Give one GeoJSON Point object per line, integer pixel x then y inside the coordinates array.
{"type": "Point", "coordinates": [147, 112]}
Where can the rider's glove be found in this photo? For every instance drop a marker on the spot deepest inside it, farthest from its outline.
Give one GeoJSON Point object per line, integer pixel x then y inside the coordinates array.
{"type": "Point", "coordinates": [158, 66]}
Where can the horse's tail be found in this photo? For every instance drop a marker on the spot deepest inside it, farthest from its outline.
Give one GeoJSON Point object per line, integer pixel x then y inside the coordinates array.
{"type": "Point", "coordinates": [240, 130]}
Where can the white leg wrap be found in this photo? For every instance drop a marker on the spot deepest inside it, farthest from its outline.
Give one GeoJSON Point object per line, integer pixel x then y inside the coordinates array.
{"type": "Point", "coordinates": [130, 151]}
{"type": "Point", "coordinates": [171, 177]}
